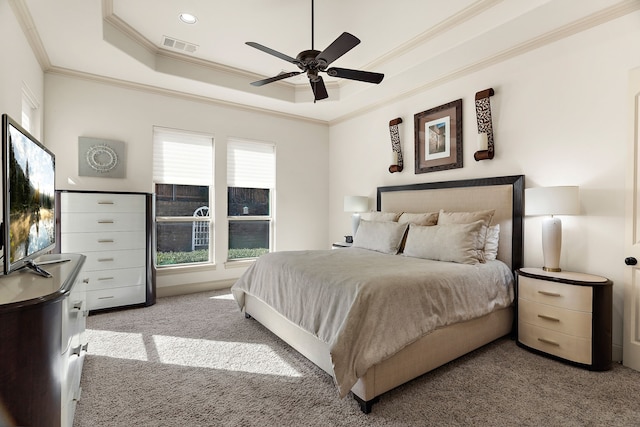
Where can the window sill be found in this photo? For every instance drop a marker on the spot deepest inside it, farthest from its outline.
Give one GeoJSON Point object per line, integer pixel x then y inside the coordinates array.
{"type": "Point", "coordinates": [239, 263]}
{"type": "Point", "coordinates": [184, 268]}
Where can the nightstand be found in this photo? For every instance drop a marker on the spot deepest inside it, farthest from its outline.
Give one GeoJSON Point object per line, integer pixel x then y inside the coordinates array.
{"type": "Point", "coordinates": [566, 316]}
{"type": "Point", "coordinates": [338, 245]}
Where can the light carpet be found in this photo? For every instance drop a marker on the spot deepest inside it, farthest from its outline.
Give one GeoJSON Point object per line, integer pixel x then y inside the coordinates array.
{"type": "Point", "coordinates": [194, 360]}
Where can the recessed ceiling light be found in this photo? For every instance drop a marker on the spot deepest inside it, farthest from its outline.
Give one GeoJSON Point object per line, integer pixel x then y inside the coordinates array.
{"type": "Point", "coordinates": [188, 18]}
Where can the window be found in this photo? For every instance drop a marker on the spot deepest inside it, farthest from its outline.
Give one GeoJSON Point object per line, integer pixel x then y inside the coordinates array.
{"type": "Point", "coordinates": [182, 173]}
{"type": "Point", "coordinates": [29, 114]}
{"type": "Point", "coordinates": [250, 194]}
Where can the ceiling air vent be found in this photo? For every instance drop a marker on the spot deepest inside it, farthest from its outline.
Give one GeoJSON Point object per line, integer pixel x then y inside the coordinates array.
{"type": "Point", "coordinates": [175, 44]}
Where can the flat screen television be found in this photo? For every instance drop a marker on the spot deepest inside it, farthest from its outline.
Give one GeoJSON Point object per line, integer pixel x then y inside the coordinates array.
{"type": "Point", "coordinates": [28, 198]}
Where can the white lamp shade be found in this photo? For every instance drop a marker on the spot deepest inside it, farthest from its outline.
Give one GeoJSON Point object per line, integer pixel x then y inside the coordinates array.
{"type": "Point", "coordinates": [552, 200]}
{"type": "Point", "coordinates": [356, 203]}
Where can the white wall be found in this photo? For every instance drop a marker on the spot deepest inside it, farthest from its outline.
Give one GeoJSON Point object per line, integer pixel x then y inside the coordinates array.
{"type": "Point", "coordinates": [77, 107]}
{"type": "Point", "coordinates": [19, 68]}
{"type": "Point", "coordinates": [560, 118]}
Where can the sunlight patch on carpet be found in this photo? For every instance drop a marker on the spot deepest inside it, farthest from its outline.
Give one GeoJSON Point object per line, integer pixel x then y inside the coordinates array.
{"type": "Point", "coordinates": [121, 345]}
{"type": "Point", "coordinates": [224, 355]}
{"type": "Point", "coordinates": [224, 296]}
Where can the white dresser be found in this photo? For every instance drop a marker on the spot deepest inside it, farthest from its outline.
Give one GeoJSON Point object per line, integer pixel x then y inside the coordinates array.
{"type": "Point", "coordinates": [113, 231]}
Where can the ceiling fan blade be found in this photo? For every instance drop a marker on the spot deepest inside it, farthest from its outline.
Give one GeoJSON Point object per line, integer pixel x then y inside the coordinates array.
{"type": "Point", "coordinates": [272, 52]}
{"type": "Point", "coordinates": [363, 76]}
{"type": "Point", "coordinates": [343, 44]}
{"type": "Point", "coordinates": [319, 89]}
{"type": "Point", "coordinates": [275, 78]}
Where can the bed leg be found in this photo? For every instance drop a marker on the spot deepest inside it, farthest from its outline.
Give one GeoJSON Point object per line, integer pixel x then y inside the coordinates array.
{"type": "Point", "coordinates": [247, 315]}
{"type": "Point", "coordinates": [366, 405]}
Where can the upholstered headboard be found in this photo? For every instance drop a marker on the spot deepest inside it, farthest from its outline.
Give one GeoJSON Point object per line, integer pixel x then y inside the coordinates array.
{"type": "Point", "coordinates": [504, 194]}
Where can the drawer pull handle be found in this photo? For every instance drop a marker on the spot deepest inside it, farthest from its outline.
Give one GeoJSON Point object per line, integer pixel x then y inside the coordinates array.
{"type": "Point", "coordinates": [546, 341]}
{"type": "Point", "coordinates": [105, 221]}
{"type": "Point", "coordinates": [105, 278]}
{"type": "Point", "coordinates": [85, 280]}
{"type": "Point", "coordinates": [553, 319]}
{"type": "Point", "coordinates": [105, 202]}
{"type": "Point", "coordinates": [77, 305]}
{"type": "Point", "coordinates": [105, 259]}
{"type": "Point", "coordinates": [75, 351]}
{"type": "Point", "coordinates": [105, 240]}
{"type": "Point", "coordinates": [107, 297]}
{"type": "Point", "coordinates": [550, 294]}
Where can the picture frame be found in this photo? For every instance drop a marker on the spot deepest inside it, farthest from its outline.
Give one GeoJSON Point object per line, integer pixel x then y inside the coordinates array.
{"type": "Point", "coordinates": [438, 138]}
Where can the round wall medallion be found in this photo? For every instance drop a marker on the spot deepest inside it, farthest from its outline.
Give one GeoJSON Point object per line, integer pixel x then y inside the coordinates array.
{"type": "Point", "coordinates": [102, 158]}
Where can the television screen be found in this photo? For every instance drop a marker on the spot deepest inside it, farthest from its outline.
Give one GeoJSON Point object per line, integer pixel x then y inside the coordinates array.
{"type": "Point", "coordinates": [28, 196]}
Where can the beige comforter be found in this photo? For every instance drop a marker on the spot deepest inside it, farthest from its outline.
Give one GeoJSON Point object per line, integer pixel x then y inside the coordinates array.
{"type": "Point", "coordinates": [367, 305]}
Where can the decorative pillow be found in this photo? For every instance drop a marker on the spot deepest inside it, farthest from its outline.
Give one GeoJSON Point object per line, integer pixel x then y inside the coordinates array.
{"type": "Point", "coordinates": [491, 244]}
{"type": "Point", "coordinates": [485, 216]}
{"type": "Point", "coordinates": [380, 216]}
{"type": "Point", "coordinates": [430, 218]}
{"type": "Point", "coordinates": [448, 242]}
{"type": "Point", "coordinates": [380, 236]}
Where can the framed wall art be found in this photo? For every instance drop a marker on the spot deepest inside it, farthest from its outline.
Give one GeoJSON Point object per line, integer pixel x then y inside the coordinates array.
{"type": "Point", "coordinates": [102, 158]}
{"type": "Point", "coordinates": [438, 138]}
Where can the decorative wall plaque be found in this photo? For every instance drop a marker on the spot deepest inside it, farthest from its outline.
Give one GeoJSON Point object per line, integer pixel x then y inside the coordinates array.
{"type": "Point", "coordinates": [103, 158]}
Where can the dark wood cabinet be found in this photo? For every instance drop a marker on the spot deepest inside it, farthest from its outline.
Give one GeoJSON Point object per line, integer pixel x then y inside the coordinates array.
{"type": "Point", "coordinates": [41, 341]}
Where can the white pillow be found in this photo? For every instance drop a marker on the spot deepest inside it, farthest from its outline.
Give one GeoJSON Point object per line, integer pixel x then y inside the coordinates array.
{"type": "Point", "coordinates": [430, 218]}
{"type": "Point", "coordinates": [380, 236]}
{"type": "Point", "coordinates": [447, 242]}
{"type": "Point", "coordinates": [491, 244]}
{"type": "Point", "coordinates": [380, 216]}
{"type": "Point", "coordinates": [485, 216]}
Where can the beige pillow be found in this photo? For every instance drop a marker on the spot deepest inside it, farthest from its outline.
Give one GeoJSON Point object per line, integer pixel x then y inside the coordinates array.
{"type": "Point", "coordinates": [448, 242]}
{"type": "Point", "coordinates": [491, 243]}
{"type": "Point", "coordinates": [380, 236]}
{"type": "Point", "coordinates": [485, 216]}
{"type": "Point", "coordinates": [430, 218]}
{"type": "Point", "coordinates": [380, 216]}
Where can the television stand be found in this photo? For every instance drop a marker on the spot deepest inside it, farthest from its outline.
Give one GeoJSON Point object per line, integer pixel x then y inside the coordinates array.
{"type": "Point", "coordinates": [31, 265]}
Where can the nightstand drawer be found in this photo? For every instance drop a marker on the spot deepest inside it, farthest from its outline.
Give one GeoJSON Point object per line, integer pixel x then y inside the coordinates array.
{"type": "Point", "coordinates": [568, 347]}
{"type": "Point", "coordinates": [562, 295]}
{"type": "Point", "coordinates": [570, 322]}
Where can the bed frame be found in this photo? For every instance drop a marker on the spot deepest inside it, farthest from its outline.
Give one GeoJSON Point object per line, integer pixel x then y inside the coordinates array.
{"type": "Point", "coordinates": [506, 196]}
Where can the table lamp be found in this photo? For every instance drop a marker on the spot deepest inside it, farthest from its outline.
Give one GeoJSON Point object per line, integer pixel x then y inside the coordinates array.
{"type": "Point", "coordinates": [552, 201]}
{"type": "Point", "coordinates": [356, 204]}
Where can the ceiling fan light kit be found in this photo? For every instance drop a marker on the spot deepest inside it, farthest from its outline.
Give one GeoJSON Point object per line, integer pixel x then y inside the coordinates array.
{"type": "Point", "coordinates": [314, 61]}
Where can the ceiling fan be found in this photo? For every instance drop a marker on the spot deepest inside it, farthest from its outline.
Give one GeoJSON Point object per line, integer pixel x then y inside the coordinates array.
{"type": "Point", "coordinates": [313, 61]}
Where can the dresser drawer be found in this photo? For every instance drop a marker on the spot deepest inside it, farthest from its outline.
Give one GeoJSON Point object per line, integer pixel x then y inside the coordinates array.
{"type": "Point", "coordinates": [102, 202]}
{"type": "Point", "coordinates": [109, 279]}
{"type": "Point", "coordinates": [98, 242]}
{"type": "Point", "coordinates": [568, 347]}
{"type": "Point", "coordinates": [572, 297]}
{"type": "Point", "coordinates": [570, 322]}
{"type": "Point", "coordinates": [97, 222]}
{"type": "Point", "coordinates": [115, 297]}
{"type": "Point", "coordinates": [105, 260]}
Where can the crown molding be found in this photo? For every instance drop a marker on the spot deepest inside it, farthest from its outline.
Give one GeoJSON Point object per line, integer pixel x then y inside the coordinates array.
{"type": "Point", "coordinates": [25, 20]}
{"type": "Point", "coordinates": [617, 11]}
{"type": "Point", "coordinates": [126, 84]}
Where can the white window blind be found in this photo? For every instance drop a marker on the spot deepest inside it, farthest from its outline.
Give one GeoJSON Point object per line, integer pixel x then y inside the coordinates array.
{"type": "Point", "coordinates": [182, 158]}
{"type": "Point", "coordinates": [251, 164]}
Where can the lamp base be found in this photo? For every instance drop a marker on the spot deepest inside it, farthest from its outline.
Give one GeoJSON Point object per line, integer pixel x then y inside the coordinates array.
{"type": "Point", "coordinates": [551, 243]}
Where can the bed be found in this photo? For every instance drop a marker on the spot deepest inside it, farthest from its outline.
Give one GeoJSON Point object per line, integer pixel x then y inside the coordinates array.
{"type": "Point", "coordinates": [369, 322]}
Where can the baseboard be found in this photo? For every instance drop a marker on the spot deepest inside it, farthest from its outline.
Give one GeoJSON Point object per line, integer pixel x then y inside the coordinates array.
{"type": "Point", "coordinates": [191, 288]}
{"type": "Point", "coordinates": [616, 353]}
